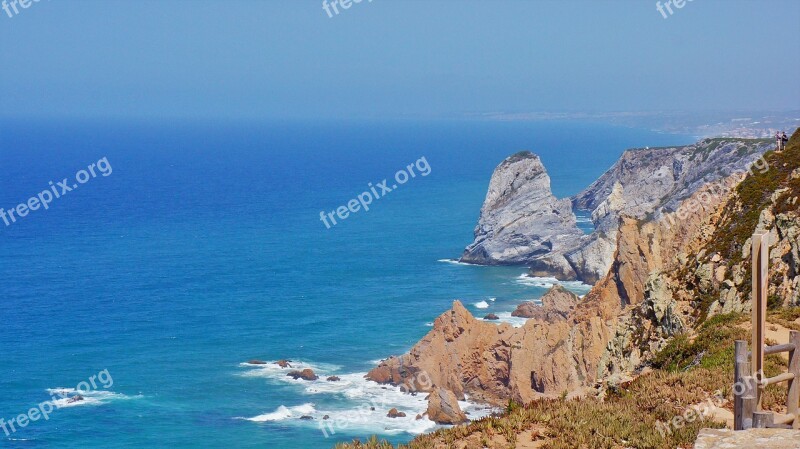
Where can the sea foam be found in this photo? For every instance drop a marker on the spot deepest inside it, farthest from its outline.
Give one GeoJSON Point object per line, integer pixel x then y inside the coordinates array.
{"type": "Point", "coordinates": [577, 287]}
{"type": "Point", "coordinates": [364, 404]}
{"type": "Point", "coordinates": [64, 397]}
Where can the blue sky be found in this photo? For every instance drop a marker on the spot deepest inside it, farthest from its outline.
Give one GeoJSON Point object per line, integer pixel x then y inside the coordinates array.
{"type": "Point", "coordinates": [395, 58]}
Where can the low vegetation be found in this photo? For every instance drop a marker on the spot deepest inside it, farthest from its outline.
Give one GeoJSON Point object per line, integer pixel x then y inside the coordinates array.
{"type": "Point", "coordinates": [755, 191]}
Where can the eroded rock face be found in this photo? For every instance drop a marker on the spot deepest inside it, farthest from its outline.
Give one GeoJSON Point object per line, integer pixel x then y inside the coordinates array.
{"type": "Point", "coordinates": [520, 218]}
{"type": "Point", "coordinates": [443, 408]}
{"type": "Point", "coordinates": [557, 303]}
{"type": "Point", "coordinates": [522, 223]}
{"type": "Point", "coordinates": [665, 271]}
{"type": "Point", "coordinates": [493, 363]}
{"type": "Point", "coordinates": [568, 344]}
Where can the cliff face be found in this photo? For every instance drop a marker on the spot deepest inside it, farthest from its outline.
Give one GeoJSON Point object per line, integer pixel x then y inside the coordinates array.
{"type": "Point", "coordinates": [647, 183]}
{"type": "Point", "coordinates": [669, 271]}
{"type": "Point", "coordinates": [520, 218]}
{"type": "Point", "coordinates": [522, 223]}
{"type": "Point", "coordinates": [492, 363]}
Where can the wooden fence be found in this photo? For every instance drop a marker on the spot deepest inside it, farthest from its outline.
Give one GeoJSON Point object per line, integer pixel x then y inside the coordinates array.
{"type": "Point", "coordinates": [749, 377]}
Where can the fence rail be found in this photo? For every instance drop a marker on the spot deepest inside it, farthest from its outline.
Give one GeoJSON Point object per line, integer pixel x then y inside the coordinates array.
{"type": "Point", "coordinates": [749, 378]}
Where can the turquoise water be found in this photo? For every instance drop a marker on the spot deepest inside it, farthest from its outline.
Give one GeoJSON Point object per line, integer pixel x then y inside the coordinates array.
{"type": "Point", "coordinates": [204, 249]}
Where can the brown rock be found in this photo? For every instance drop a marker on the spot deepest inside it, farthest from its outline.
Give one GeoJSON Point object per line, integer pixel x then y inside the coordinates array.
{"type": "Point", "coordinates": [491, 317]}
{"type": "Point", "coordinates": [333, 379]}
{"type": "Point", "coordinates": [284, 363]}
{"type": "Point", "coordinates": [443, 408]}
{"type": "Point", "coordinates": [256, 362]}
{"type": "Point", "coordinates": [557, 303]}
{"type": "Point", "coordinates": [496, 362]}
{"type": "Point", "coordinates": [393, 413]}
{"type": "Point", "coordinates": [306, 374]}
{"type": "Point", "coordinates": [385, 373]}
{"type": "Point", "coordinates": [418, 417]}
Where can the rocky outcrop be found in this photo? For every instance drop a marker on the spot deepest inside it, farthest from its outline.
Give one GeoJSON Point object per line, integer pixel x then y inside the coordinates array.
{"type": "Point", "coordinates": [557, 303]}
{"type": "Point", "coordinates": [522, 223]}
{"type": "Point", "coordinates": [569, 345]}
{"type": "Point", "coordinates": [393, 413]}
{"type": "Point", "coordinates": [306, 374]}
{"type": "Point", "coordinates": [669, 271]}
{"type": "Point", "coordinates": [521, 219]}
{"type": "Point", "coordinates": [443, 408]}
{"type": "Point", "coordinates": [647, 183]}
{"type": "Point", "coordinates": [493, 363]}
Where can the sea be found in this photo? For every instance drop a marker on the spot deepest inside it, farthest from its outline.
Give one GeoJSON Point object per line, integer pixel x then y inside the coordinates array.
{"type": "Point", "coordinates": [173, 252]}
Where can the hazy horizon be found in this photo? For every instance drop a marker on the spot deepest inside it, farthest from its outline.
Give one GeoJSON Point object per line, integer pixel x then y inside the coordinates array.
{"type": "Point", "coordinates": [243, 59]}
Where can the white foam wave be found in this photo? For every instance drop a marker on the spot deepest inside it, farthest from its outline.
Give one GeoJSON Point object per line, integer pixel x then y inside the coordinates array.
{"type": "Point", "coordinates": [272, 371]}
{"type": "Point", "coordinates": [482, 305]}
{"type": "Point", "coordinates": [577, 287]}
{"type": "Point", "coordinates": [363, 407]}
{"type": "Point", "coordinates": [505, 317]}
{"type": "Point", "coordinates": [455, 262]}
{"type": "Point", "coordinates": [283, 413]}
{"type": "Point", "coordinates": [68, 397]}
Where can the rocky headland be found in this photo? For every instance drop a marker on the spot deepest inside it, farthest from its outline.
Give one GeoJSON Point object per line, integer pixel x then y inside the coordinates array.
{"type": "Point", "coordinates": [522, 223]}
{"type": "Point", "coordinates": [677, 222]}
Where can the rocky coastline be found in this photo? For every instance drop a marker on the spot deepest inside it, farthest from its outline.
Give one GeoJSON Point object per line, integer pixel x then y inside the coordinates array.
{"type": "Point", "coordinates": [660, 216]}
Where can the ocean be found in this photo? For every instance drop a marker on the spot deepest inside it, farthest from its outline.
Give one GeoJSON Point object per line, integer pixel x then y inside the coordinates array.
{"type": "Point", "coordinates": [199, 246]}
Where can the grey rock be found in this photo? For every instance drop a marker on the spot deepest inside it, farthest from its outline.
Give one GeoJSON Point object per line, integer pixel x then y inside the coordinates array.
{"type": "Point", "coordinates": [521, 219]}
{"type": "Point", "coordinates": [522, 223]}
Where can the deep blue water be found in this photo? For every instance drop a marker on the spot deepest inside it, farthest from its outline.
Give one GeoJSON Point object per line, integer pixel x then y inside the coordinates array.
{"type": "Point", "coordinates": [204, 249]}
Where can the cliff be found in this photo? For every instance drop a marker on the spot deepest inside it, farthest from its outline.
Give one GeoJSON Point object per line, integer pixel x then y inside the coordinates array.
{"type": "Point", "coordinates": [521, 222]}
{"type": "Point", "coordinates": [520, 218]}
{"type": "Point", "coordinates": [670, 270]}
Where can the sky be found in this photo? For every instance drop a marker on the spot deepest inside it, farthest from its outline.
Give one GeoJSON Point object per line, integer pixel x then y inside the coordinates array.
{"type": "Point", "coordinates": [395, 58]}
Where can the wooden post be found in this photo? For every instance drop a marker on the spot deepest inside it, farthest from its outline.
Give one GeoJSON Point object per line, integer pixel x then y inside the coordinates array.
{"type": "Point", "coordinates": [793, 401]}
{"type": "Point", "coordinates": [749, 401]}
{"type": "Point", "coordinates": [741, 370]}
{"type": "Point", "coordinates": [760, 260]}
{"type": "Point", "coordinates": [762, 420]}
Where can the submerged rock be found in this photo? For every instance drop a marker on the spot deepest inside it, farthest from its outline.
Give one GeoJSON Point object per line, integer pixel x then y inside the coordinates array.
{"type": "Point", "coordinates": [393, 413]}
{"type": "Point", "coordinates": [74, 399]}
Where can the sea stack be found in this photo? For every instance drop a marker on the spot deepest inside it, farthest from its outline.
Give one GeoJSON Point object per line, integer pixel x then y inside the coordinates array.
{"type": "Point", "coordinates": [521, 219]}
